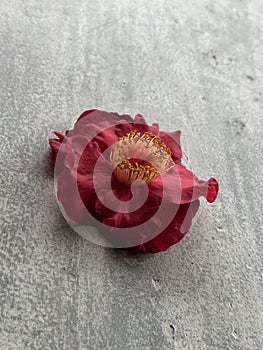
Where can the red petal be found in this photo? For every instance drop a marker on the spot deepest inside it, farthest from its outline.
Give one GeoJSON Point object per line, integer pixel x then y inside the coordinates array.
{"type": "Point", "coordinates": [182, 186]}
{"type": "Point", "coordinates": [173, 233]}
{"type": "Point", "coordinates": [96, 116]}
{"type": "Point", "coordinates": [212, 190]}
{"type": "Point", "coordinates": [172, 140]}
{"type": "Point", "coordinates": [76, 196]}
{"type": "Point", "coordinates": [75, 183]}
{"type": "Point", "coordinates": [129, 218]}
{"type": "Point", "coordinates": [55, 144]}
{"type": "Point", "coordinates": [59, 135]}
{"type": "Point", "coordinates": [139, 124]}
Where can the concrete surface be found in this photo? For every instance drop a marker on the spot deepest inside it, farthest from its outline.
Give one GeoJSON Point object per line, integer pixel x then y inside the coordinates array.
{"type": "Point", "coordinates": [198, 65]}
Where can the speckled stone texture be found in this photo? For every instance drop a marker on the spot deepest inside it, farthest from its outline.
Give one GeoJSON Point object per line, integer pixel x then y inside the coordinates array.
{"type": "Point", "coordinates": [196, 65]}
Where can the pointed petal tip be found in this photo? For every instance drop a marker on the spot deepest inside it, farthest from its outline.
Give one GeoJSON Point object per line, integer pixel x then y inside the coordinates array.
{"type": "Point", "coordinates": [59, 135]}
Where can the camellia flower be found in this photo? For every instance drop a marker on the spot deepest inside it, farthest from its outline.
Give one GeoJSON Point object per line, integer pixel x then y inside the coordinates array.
{"type": "Point", "coordinates": [125, 177]}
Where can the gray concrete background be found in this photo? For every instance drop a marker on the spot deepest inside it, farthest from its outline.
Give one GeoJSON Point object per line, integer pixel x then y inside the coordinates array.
{"type": "Point", "coordinates": [191, 64]}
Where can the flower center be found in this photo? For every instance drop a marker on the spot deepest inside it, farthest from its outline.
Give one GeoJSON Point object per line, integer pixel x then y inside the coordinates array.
{"type": "Point", "coordinates": [140, 157]}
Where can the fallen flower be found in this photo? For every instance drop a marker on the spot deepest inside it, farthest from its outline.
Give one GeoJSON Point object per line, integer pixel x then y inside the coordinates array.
{"type": "Point", "coordinates": [126, 177]}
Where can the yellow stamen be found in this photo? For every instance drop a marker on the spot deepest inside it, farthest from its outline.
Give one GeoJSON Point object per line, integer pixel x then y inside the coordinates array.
{"type": "Point", "coordinates": [143, 157]}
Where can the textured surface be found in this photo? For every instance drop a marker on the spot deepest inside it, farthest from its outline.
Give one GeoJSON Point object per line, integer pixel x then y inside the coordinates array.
{"type": "Point", "coordinates": [190, 64]}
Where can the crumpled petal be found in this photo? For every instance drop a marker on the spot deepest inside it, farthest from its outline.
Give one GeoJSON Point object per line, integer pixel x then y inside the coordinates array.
{"type": "Point", "coordinates": [76, 183]}
{"type": "Point", "coordinates": [172, 140]}
{"type": "Point", "coordinates": [173, 234]}
{"type": "Point", "coordinates": [182, 186]}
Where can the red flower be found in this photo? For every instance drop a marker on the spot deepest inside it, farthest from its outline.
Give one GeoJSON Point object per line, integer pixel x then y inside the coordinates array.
{"type": "Point", "coordinates": [126, 176]}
